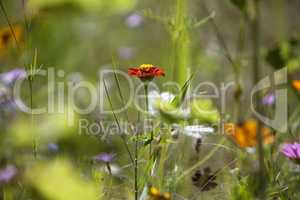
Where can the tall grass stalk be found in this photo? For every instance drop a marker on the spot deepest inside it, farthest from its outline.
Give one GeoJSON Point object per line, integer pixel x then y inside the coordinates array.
{"type": "Point", "coordinates": [180, 42]}
{"type": "Point", "coordinates": [32, 71]}
{"type": "Point", "coordinates": [234, 62]}
{"type": "Point", "coordinates": [255, 27]}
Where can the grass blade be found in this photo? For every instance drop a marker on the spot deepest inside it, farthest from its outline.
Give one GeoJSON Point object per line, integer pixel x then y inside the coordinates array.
{"type": "Point", "coordinates": [117, 121]}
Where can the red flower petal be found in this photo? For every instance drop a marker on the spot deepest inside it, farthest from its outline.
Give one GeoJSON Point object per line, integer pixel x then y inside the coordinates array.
{"type": "Point", "coordinates": [146, 72]}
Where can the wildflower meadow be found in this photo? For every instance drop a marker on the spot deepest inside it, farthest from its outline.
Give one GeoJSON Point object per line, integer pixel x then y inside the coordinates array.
{"type": "Point", "coordinates": [149, 100]}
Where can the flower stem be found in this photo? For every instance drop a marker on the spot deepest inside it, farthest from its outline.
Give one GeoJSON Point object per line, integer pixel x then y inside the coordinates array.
{"type": "Point", "coordinates": [147, 109]}
{"type": "Point", "coordinates": [108, 168]}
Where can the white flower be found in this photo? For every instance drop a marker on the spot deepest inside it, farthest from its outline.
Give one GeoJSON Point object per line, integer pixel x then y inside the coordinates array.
{"type": "Point", "coordinates": [144, 195]}
{"type": "Point", "coordinates": [167, 97]}
{"type": "Point", "coordinates": [250, 150]}
{"type": "Point", "coordinates": [197, 131]}
{"type": "Point", "coordinates": [234, 171]}
{"type": "Point", "coordinates": [154, 96]}
{"type": "Point", "coordinates": [115, 170]}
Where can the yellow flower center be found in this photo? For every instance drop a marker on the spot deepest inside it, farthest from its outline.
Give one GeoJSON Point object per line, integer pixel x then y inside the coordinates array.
{"type": "Point", "coordinates": [146, 66]}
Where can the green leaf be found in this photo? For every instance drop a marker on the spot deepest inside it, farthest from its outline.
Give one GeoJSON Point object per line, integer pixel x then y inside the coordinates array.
{"type": "Point", "coordinates": [90, 5]}
{"type": "Point", "coordinates": [275, 58]}
{"type": "Point", "coordinates": [242, 190]}
{"type": "Point", "coordinates": [179, 99]}
{"type": "Point", "coordinates": [169, 112]}
{"type": "Point", "coordinates": [204, 111]}
{"type": "Point", "coordinates": [53, 127]}
{"type": "Point", "coordinates": [241, 4]}
{"type": "Point", "coordinates": [58, 180]}
{"type": "Point", "coordinates": [148, 141]}
{"type": "Point", "coordinates": [284, 54]}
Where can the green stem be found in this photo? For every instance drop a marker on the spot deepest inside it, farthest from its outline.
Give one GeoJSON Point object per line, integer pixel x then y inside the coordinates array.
{"type": "Point", "coordinates": [147, 109]}
{"type": "Point", "coordinates": [30, 81]}
{"type": "Point", "coordinates": [108, 168]}
{"type": "Point", "coordinates": [256, 76]}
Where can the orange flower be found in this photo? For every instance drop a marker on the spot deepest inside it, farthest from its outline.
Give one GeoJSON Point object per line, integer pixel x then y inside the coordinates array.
{"type": "Point", "coordinates": [245, 135]}
{"type": "Point", "coordinates": [9, 38]}
{"type": "Point", "coordinates": [146, 72]}
{"type": "Point", "coordinates": [296, 84]}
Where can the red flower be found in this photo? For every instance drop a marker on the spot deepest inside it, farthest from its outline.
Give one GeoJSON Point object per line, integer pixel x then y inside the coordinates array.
{"type": "Point", "coordinates": [146, 72]}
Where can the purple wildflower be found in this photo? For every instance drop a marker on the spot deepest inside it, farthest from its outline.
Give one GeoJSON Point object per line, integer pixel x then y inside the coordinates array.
{"type": "Point", "coordinates": [126, 52]}
{"type": "Point", "coordinates": [7, 103]}
{"type": "Point", "coordinates": [105, 157]}
{"type": "Point", "coordinates": [269, 99]}
{"type": "Point", "coordinates": [292, 151]}
{"type": "Point", "coordinates": [4, 94]}
{"type": "Point", "coordinates": [134, 20]}
{"type": "Point", "coordinates": [7, 174]}
{"type": "Point", "coordinates": [10, 77]}
{"type": "Point", "coordinates": [8, 106]}
{"type": "Point", "coordinates": [53, 147]}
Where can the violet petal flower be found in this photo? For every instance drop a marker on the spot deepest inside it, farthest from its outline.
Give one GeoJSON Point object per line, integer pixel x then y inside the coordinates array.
{"type": "Point", "coordinates": [8, 106]}
{"type": "Point", "coordinates": [292, 151]}
{"type": "Point", "coordinates": [126, 52]}
{"type": "Point", "coordinates": [134, 20]}
{"type": "Point", "coordinates": [10, 77]}
{"type": "Point", "coordinates": [269, 99]}
{"type": "Point", "coordinates": [53, 147]}
{"type": "Point", "coordinates": [105, 157]}
{"type": "Point", "coordinates": [7, 174]}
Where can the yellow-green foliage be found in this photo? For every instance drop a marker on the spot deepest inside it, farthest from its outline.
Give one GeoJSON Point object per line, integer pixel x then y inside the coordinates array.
{"type": "Point", "coordinates": [58, 180]}
{"type": "Point", "coordinates": [204, 111]}
{"type": "Point", "coordinates": [89, 5]}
